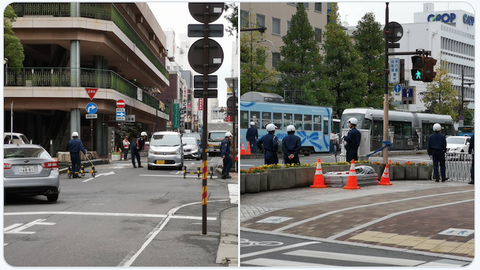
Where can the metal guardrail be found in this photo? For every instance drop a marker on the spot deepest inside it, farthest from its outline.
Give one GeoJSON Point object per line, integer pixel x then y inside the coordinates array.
{"type": "Point", "coordinates": [458, 166]}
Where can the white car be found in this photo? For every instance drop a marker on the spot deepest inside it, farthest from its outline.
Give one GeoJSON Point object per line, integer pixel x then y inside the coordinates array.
{"type": "Point", "coordinates": [457, 147]}
{"type": "Point", "coordinates": [190, 150]}
{"type": "Point", "coordinates": [14, 138]}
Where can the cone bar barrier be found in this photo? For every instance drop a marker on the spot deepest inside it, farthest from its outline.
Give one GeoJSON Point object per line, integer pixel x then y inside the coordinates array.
{"type": "Point", "coordinates": [352, 178]}
{"type": "Point", "coordinates": [249, 151]}
{"type": "Point", "coordinates": [318, 181]}
{"type": "Point", "coordinates": [385, 179]}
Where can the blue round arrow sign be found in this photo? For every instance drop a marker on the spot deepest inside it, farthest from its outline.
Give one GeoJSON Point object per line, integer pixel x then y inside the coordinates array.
{"type": "Point", "coordinates": [91, 108]}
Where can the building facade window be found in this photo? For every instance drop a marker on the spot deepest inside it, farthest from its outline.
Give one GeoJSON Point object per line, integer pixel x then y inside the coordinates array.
{"type": "Point", "coordinates": [275, 59]}
{"type": "Point", "coordinates": [244, 17]}
{"type": "Point", "coordinates": [289, 24]}
{"type": "Point", "coordinates": [260, 20]}
{"type": "Point", "coordinates": [276, 26]}
{"type": "Point", "coordinates": [318, 35]}
{"type": "Point", "coordinates": [318, 7]}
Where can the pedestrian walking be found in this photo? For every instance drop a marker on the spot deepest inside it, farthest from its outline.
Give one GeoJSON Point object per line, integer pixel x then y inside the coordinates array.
{"type": "Point", "coordinates": [126, 146]}
{"type": "Point", "coordinates": [269, 145]}
{"type": "Point", "coordinates": [291, 145]}
{"type": "Point", "coordinates": [471, 151]}
{"type": "Point", "coordinates": [75, 146]}
{"type": "Point", "coordinates": [252, 137]}
{"type": "Point", "coordinates": [136, 147]}
{"type": "Point", "coordinates": [436, 148]}
{"type": "Point", "coordinates": [353, 140]}
{"type": "Point", "coordinates": [225, 154]}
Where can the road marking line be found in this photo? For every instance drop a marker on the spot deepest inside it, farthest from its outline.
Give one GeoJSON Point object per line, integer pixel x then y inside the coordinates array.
{"type": "Point", "coordinates": [277, 249]}
{"type": "Point", "coordinates": [362, 206]}
{"type": "Point", "coordinates": [281, 263]}
{"type": "Point", "coordinates": [175, 176]}
{"type": "Point", "coordinates": [354, 257]}
{"type": "Point", "coordinates": [104, 214]}
{"type": "Point", "coordinates": [19, 230]}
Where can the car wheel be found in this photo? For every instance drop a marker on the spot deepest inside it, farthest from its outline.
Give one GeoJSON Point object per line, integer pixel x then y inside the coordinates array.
{"type": "Point", "coordinates": [149, 167]}
{"type": "Point", "coordinates": [52, 197]}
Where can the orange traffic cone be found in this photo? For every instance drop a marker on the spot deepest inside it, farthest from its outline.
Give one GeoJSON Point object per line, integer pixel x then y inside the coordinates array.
{"type": "Point", "coordinates": [318, 181]}
{"type": "Point", "coordinates": [242, 151]}
{"type": "Point", "coordinates": [385, 179]}
{"type": "Point", "coordinates": [352, 178]}
{"type": "Point", "coordinates": [249, 152]}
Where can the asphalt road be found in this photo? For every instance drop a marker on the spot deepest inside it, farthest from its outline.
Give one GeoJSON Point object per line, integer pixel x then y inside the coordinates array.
{"type": "Point", "coordinates": [122, 217]}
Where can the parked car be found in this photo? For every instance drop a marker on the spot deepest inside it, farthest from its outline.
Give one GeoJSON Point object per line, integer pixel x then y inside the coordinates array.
{"type": "Point", "coordinates": [28, 169]}
{"type": "Point", "coordinates": [199, 138]}
{"type": "Point", "coordinates": [191, 150]}
{"type": "Point", "coordinates": [457, 147]}
{"type": "Point", "coordinates": [166, 150]}
{"type": "Point", "coordinates": [15, 138]}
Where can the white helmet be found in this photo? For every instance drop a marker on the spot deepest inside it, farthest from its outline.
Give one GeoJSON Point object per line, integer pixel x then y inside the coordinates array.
{"type": "Point", "coordinates": [252, 123]}
{"type": "Point", "coordinates": [143, 134]}
{"type": "Point", "coordinates": [290, 128]}
{"type": "Point", "coordinates": [271, 127]}
{"type": "Point", "coordinates": [353, 121]}
{"type": "Point", "coordinates": [228, 134]}
{"type": "Point", "coordinates": [437, 127]}
{"type": "Point", "coordinates": [74, 134]}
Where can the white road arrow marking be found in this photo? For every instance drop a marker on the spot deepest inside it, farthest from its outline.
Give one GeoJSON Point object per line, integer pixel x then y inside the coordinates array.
{"type": "Point", "coordinates": [98, 175]}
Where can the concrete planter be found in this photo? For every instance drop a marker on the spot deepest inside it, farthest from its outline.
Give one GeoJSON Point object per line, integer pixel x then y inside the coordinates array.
{"type": "Point", "coordinates": [116, 157]}
{"type": "Point", "coordinates": [252, 183]}
{"type": "Point", "coordinates": [424, 172]}
{"type": "Point", "coordinates": [280, 178]}
{"type": "Point", "coordinates": [304, 176]}
{"type": "Point", "coordinates": [411, 172]}
{"type": "Point", "coordinates": [335, 168]}
{"type": "Point", "coordinates": [242, 183]}
{"type": "Point", "coordinates": [263, 181]}
{"type": "Point", "coordinates": [397, 172]}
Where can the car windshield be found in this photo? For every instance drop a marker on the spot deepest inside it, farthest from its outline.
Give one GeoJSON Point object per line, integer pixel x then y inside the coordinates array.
{"type": "Point", "coordinates": [455, 140]}
{"type": "Point", "coordinates": [25, 153]}
{"type": "Point", "coordinates": [189, 141]}
{"type": "Point", "coordinates": [216, 136]}
{"type": "Point", "coordinates": [165, 140]}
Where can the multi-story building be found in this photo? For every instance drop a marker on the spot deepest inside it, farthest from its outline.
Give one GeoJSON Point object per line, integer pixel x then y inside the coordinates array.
{"type": "Point", "coordinates": [276, 17]}
{"type": "Point", "coordinates": [80, 59]}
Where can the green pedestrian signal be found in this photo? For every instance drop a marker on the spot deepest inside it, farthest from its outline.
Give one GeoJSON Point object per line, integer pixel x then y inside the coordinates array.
{"type": "Point", "coordinates": [418, 75]}
{"type": "Point", "coordinates": [418, 63]}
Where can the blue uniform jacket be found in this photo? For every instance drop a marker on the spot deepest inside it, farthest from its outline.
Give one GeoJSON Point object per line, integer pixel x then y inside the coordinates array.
{"type": "Point", "coordinates": [436, 141]}
{"type": "Point", "coordinates": [291, 144]}
{"type": "Point", "coordinates": [269, 142]}
{"type": "Point", "coordinates": [252, 134]}
{"type": "Point", "coordinates": [138, 142]}
{"type": "Point", "coordinates": [225, 148]}
{"type": "Point", "coordinates": [353, 139]}
{"type": "Point", "coordinates": [75, 146]}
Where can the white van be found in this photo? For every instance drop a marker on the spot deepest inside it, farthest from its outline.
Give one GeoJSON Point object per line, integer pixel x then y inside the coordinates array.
{"type": "Point", "coordinates": [166, 150]}
{"type": "Point", "coordinates": [15, 138]}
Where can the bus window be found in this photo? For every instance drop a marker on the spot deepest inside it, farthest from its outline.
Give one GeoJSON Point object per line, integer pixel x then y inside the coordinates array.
{"type": "Point", "coordinates": [298, 120]}
{"type": "Point", "coordinates": [325, 125]}
{"type": "Point", "coordinates": [287, 120]}
{"type": "Point", "coordinates": [244, 123]}
{"type": "Point", "coordinates": [266, 119]}
{"type": "Point", "coordinates": [307, 122]}
{"type": "Point", "coordinates": [255, 117]}
{"type": "Point", "coordinates": [317, 123]}
{"type": "Point", "coordinates": [277, 120]}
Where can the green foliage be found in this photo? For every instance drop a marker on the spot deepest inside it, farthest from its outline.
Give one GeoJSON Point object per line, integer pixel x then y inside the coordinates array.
{"type": "Point", "coordinates": [232, 18]}
{"type": "Point", "coordinates": [369, 43]}
{"type": "Point", "coordinates": [301, 65]}
{"type": "Point", "coordinates": [347, 78]}
{"type": "Point", "coordinates": [13, 50]}
{"type": "Point", "coordinates": [441, 97]}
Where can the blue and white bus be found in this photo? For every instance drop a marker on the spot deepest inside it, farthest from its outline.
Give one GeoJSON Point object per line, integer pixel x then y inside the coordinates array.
{"type": "Point", "coordinates": [313, 124]}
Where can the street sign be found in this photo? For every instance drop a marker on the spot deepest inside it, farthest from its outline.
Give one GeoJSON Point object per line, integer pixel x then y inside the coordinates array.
{"type": "Point", "coordinates": [198, 81]}
{"type": "Point", "coordinates": [120, 103]}
{"type": "Point", "coordinates": [394, 74]}
{"type": "Point", "coordinates": [120, 116]}
{"type": "Point", "coordinates": [197, 10]}
{"type": "Point", "coordinates": [130, 118]}
{"type": "Point", "coordinates": [212, 93]}
{"type": "Point", "coordinates": [215, 56]}
{"type": "Point", "coordinates": [91, 92]}
{"type": "Point", "coordinates": [197, 30]}
{"type": "Point", "coordinates": [395, 31]}
{"type": "Point", "coordinates": [91, 116]}
{"type": "Point", "coordinates": [91, 108]}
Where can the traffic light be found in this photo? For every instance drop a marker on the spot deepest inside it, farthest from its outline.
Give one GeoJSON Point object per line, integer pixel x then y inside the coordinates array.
{"type": "Point", "coordinates": [418, 64]}
{"type": "Point", "coordinates": [428, 68]}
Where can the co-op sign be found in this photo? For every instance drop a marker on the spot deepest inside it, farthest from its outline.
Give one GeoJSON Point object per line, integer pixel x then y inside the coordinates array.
{"type": "Point", "coordinates": [449, 18]}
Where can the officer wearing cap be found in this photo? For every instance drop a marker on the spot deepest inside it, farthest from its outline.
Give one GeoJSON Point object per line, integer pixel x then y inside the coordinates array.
{"type": "Point", "coordinates": [436, 148]}
{"type": "Point", "coordinates": [225, 154]}
{"type": "Point", "coordinates": [75, 146]}
{"type": "Point", "coordinates": [269, 143]}
{"type": "Point", "coordinates": [291, 145]}
{"type": "Point", "coordinates": [353, 140]}
{"type": "Point", "coordinates": [136, 147]}
{"type": "Point", "coordinates": [252, 137]}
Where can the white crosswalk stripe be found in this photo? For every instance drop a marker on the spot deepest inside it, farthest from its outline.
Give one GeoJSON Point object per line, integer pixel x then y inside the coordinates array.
{"type": "Point", "coordinates": [282, 263]}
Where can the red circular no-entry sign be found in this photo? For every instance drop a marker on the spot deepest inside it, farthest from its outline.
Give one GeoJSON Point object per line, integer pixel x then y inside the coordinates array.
{"type": "Point", "coordinates": [120, 103]}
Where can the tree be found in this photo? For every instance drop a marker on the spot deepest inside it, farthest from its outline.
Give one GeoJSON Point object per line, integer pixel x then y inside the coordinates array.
{"type": "Point", "coordinates": [301, 65]}
{"type": "Point", "coordinates": [233, 18]}
{"type": "Point", "coordinates": [253, 57]}
{"type": "Point", "coordinates": [441, 97]}
{"type": "Point", "coordinates": [13, 53]}
{"type": "Point", "coordinates": [348, 81]}
{"type": "Point", "coordinates": [369, 43]}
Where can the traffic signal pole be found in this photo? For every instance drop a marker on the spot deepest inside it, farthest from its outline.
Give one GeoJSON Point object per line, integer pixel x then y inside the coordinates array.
{"type": "Point", "coordinates": [205, 117]}
{"type": "Point", "coordinates": [385, 101]}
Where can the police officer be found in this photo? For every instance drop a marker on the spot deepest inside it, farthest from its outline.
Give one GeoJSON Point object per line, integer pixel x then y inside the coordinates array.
{"type": "Point", "coordinates": [75, 146]}
{"type": "Point", "coordinates": [136, 147]}
{"type": "Point", "coordinates": [225, 154]}
{"type": "Point", "coordinates": [353, 140]}
{"type": "Point", "coordinates": [291, 145]}
{"type": "Point", "coordinates": [437, 147]}
{"type": "Point", "coordinates": [471, 151]}
{"type": "Point", "coordinates": [252, 137]}
{"type": "Point", "coordinates": [269, 143]}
